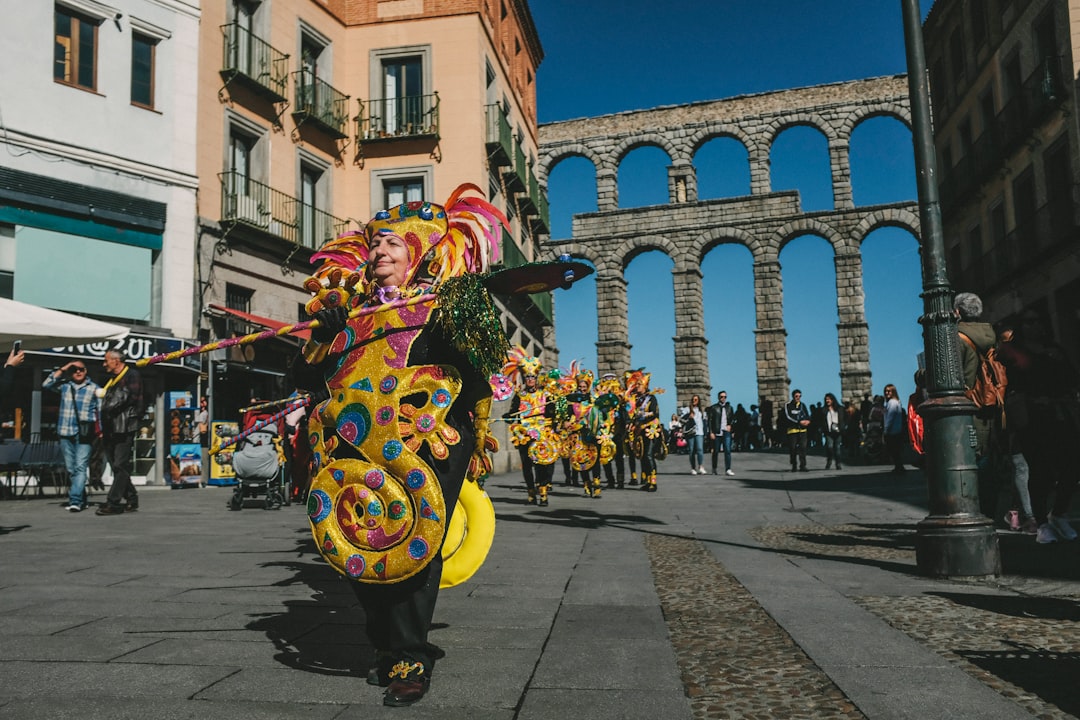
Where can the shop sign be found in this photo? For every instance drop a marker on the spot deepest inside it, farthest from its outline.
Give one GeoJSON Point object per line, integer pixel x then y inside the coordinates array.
{"type": "Point", "coordinates": [135, 347]}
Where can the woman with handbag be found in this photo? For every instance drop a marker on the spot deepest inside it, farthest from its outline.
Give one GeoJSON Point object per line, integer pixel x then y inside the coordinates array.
{"type": "Point", "coordinates": [76, 426]}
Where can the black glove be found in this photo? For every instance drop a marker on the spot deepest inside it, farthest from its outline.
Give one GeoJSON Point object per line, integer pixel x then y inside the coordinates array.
{"type": "Point", "coordinates": [331, 322]}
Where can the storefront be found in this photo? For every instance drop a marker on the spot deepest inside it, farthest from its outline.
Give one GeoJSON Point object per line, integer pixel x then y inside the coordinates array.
{"type": "Point", "coordinates": [168, 388]}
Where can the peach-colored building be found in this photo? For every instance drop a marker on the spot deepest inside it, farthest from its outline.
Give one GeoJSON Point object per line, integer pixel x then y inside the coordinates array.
{"type": "Point", "coordinates": [314, 114]}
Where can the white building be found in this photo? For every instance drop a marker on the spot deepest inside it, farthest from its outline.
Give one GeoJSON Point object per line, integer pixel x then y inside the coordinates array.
{"type": "Point", "coordinates": [98, 180]}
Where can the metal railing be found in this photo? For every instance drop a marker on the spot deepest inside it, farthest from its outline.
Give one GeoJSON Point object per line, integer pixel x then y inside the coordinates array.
{"type": "Point", "coordinates": [256, 205]}
{"type": "Point", "coordinates": [320, 102]}
{"type": "Point", "coordinates": [1023, 247]}
{"type": "Point", "coordinates": [1039, 96]}
{"type": "Point", "coordinates": [511, 255]}
{"type": "Point", "coordinates": [249, 56]}
{"type": "Point", "coordinates": [413, 116]}
{"type": "Point", "coordinates": [498, 136]}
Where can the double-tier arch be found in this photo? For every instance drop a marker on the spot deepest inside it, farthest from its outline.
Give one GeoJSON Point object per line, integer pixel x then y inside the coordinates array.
{"type": "Point", "coordinates": [686, 228]}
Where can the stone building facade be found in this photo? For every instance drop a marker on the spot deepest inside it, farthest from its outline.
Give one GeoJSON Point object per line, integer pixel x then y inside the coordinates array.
{"type": "Point", "coordinates": [686, 229]}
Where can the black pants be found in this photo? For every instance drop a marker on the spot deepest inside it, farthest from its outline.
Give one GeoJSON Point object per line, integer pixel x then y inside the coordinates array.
{"type": "Point", "coordinates": [535, 475]}
{"type": "Point", "coordinates": [797, 446]}
{"type": "Point", "coordinates": [398, 615]}
{"type": "Point", "coordinates": [118, 453]}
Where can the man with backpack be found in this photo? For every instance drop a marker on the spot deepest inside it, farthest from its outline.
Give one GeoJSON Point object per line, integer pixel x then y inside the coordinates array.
{"type": "Point", "coordinates": [977, 339]}
{"type": "Point", "coordinates": [121, 410]}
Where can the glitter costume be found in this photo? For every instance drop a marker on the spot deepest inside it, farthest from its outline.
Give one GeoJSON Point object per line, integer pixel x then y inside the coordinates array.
{"type": "Point", "coordinates": [406, 421]}
{"type": "Point", "coordinates": [531, 416]}
{"type": "Point", "coordinates": [587, 431]}
{"type": "Point", "coordinates": [647, 434]}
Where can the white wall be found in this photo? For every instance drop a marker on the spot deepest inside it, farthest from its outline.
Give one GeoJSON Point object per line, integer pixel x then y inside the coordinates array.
{"type": "Point", "coordinates": [99, 138]}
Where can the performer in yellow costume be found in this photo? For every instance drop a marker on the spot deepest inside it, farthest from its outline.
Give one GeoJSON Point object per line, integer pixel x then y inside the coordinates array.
{"type": "Point", "coordinates": [409, 336]}
{"type": "Point", "coordinates": [531, 415]}
{"type": "Point", "coordinates": [648, 433]}
{"type": "Point", "coordinates": [583, 427]}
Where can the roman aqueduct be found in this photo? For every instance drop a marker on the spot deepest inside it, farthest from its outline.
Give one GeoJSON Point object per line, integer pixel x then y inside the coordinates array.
{"type": "Point", "coordinates": [686, 228]}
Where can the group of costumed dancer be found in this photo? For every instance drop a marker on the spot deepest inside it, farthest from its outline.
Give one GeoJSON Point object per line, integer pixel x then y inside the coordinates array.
{"type": "Point", "coordinates": [403, 345]}
{"type": "Point", "coordinates": [563, 415]}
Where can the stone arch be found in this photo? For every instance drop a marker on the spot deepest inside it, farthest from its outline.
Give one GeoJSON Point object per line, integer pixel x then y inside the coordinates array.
{"type": "Point", "coordinates": [708, 240]}
{"type": "Point", "coordinates": [551, 157]}
{"type": "Point", "coordinates": [808, 226]}
{"type": "Point", "coordinates": [860, 115]}
{"type": "Point", "coordinates": [886, 217]}
{"type": "Point", "coordinates": [764, 221]}
{"type": "Point", "coordinates": [618, 152]}
{"type": "Point", "coordinates": [799, 119]}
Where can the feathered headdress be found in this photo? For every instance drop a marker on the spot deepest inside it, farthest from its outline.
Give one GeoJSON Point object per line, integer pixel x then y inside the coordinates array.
{"type": "Point", "coordinates": [637, 380]}
{"type": "Point", "coordinates": [519, 364]}
{"type": "Point", "coordinates": [583, 374]}
{"type": "Point", "coordinates": [444, 241]}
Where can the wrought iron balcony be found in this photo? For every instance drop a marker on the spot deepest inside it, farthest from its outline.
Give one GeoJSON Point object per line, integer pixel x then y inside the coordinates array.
{"type": "Point", "coordinates": [1024, 247]}
{"type": "Point", "coordinates": [498, 136]}
{"type": "Point", "coordinates": [253, 60]}
{"type": "Point", "coordinates": [412, 117]}
{"type": "Point", "coordinates": [320, 103]}
{"type": "Point", "coordinates": [254, 205]}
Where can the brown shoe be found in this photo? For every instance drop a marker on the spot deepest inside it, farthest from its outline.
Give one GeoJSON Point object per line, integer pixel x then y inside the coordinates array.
{"type": "Point", "coordinates": [108, 509]}
{"type": "Point", "coordinates": [408, 683]}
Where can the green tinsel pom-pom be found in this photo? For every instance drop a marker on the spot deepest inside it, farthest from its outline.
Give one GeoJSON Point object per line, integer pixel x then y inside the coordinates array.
{"type": "Point", "coordinates": [469, 319]}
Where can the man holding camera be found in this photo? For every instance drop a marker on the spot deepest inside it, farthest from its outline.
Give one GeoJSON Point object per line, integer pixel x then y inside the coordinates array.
{"type": "Point", "coordinates": [77, 425]}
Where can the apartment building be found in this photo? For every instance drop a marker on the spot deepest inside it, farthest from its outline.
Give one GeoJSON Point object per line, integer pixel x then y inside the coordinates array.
{"type": "Point", "coordinates": [98, 181]}
{"type": "Point", "coordinates": [315, 114]}
{"type": "Point", "coordinates": [1003, 88]}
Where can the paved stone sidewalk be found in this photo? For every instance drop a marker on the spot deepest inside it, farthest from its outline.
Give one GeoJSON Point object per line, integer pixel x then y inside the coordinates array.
{"type": "Point", "coordinates": [761, 595]}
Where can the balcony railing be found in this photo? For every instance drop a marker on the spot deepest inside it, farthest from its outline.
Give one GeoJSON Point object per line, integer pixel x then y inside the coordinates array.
{"type": "Point", "coordinates": [498, 135]}
{"type": "Point", "coordinates": [250, 203]}
{"type": "Point", "coordinates": [541, 221]}
{"type": "Point", "coordinates": [318, 102]}
{"type": "Point", "coordinates": [255, 60]}
{"type": "Point", "coordinates": [1029, 243]}
{"type": "Point", "coordinates": [411, 117]}
{"type": "Point", "coordinates": [1039, 95]}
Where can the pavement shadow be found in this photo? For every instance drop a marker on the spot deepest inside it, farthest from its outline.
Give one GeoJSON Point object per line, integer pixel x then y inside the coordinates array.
{"type": "Point", "coordinates": [322, 635]}
{"type": "Point", "coordinates": [1047, 674]}
{"type": "Point", "coordinates": [8, 529]}
{"type": "Point", "coordinates": [1022, 556]}
{"type": "Point", "coordinates": [1020, 606]}
{"type": "Point", "coordinates": [588, 519]}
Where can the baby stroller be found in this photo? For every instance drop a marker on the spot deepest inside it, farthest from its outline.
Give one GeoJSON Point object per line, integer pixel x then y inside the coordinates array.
{"type": "Point", "coordinates": [259, 463]}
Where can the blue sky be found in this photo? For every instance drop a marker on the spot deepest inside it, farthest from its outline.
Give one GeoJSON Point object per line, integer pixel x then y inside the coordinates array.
{"type": "Point", "coordinates": [626, 56]}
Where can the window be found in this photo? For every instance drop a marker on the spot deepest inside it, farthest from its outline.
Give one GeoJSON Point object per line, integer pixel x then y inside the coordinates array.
{"type": "Point", "coordinates": [1011, 80]}
{"type": "Point", "coordinates": [307, 89]}
{"type": "Point", "coordinates": [142, 70]}
{"type": "Point", "coordinates": [313, 223]}
{"type": "Point", "coordinates": [7, 261]}
{"type": "Point", "coordinates": [1024, 201]}
{"type": "Point", "coordinates": [401, 191]}
{"type": "Point", "coordinates": [75, 49]}
{"type": "Point", "coordinates": [978, 24]}
{"type": "Point", "coordinates": [986, 105]}
{"type": "Point", "coordinates": [974, 246]}
{"type": "Point", "coordinates": [956, 58]}
{"type": "Point", "coordinates": [237, 298]}
{"type": "Point", "coordinates": [1045, 37]}
{"type": "Point", "coordinates": [401, 89]}
{"type": "Point", "coordinates": [390, 188]}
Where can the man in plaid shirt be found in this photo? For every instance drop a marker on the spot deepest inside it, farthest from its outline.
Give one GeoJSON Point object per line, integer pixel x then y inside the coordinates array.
{"type": "Point", "coordinates": [78, 402]}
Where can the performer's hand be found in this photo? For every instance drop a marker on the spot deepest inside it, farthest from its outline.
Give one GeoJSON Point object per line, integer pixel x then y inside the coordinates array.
{"type": "Point", "coordinates": [480, 464]}
{"type": "Point", "coordinates": [331, 321]}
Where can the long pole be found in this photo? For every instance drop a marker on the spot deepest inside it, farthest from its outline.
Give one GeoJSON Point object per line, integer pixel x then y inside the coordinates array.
{"type": "Point", "coordinates": [955, 539]}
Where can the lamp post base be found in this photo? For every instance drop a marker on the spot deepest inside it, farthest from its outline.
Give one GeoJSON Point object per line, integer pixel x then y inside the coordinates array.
{"type": "Point", "coordinates": [957, 546]}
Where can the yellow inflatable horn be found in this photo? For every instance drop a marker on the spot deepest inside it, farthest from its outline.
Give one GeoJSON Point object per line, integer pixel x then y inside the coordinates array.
{"type": "Point", "coordinates": [469, 535]}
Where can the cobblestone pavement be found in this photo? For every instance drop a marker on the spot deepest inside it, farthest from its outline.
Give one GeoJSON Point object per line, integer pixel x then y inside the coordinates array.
{"type": "Point", "coordinates": [736, 662]}
{"type": "Point", "coordinates": [1014, 637]}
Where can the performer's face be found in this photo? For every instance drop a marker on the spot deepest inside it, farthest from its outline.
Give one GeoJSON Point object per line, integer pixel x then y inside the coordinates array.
{"type": "Point", "coordinates": [530, 382]}
{"type": "Point", "coordinates": [582, 385]}
{"type": "Point", "coordinates": [389, 259]}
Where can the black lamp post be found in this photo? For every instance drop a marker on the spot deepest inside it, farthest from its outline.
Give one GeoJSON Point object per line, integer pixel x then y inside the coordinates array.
{"type": "Point", "coordinates": [955, 539]}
